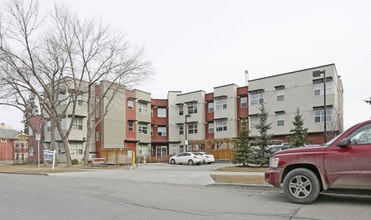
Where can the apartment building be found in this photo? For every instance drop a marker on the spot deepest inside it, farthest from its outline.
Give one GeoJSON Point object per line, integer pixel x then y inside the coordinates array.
{"type": "Point", "coordinates": [68, 90]}
{"type": "Point", "coordinates": [204, 121]}
{"type": "Point", "coordinates": [282, 94]}
{"type": "Point", "coordinates": [159, 130]}
{"type": "Point", "coordinates": [198, 120]}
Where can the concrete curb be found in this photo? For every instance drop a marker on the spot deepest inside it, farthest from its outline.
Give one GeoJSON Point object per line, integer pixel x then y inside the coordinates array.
{"type": "Point", "coordinates": [25, 173]}
{"type": "Point", "coordinates": [244, 186]}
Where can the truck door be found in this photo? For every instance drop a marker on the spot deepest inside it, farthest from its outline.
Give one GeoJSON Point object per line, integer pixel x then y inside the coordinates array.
{"type": "Point", "coordinates": [350, 166]}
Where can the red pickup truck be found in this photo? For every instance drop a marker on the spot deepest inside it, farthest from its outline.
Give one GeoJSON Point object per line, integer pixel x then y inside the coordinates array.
{"type": "Point", "coordinates": [344, 162]}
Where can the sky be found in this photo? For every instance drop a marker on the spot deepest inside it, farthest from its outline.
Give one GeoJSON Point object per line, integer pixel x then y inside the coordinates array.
{"type": "Point", "coordinates": [201, 44]}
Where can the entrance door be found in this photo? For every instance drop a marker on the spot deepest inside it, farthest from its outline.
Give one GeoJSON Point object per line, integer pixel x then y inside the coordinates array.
{"type": "Point", "coordinates": [161, 153]}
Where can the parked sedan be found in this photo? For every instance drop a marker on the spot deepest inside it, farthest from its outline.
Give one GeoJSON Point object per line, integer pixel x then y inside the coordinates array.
{"type": "Point", "coordinates": [206, 157]}
{"type": "Point", "coordinates": [186, 158]}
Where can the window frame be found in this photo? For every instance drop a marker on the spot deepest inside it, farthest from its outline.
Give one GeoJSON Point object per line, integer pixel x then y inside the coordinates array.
{"type": "Point", "coordinates": [319, 115]}
{"type": "Point", "coordinates": [161, 112]}
{"type": "Point", "coordinates": [192, 108]}
{"type": "Point", "coordinates": [163, 132]}
{"type": "Point", "coordinates": [243, 102]}
{"type": "Point", "coordinates": [221, 104]}
{"type": "Point", "coordinates": [192, 128]}
{"type": "Point", "coordinates": [221, 125]}
{"type": "Point", "coordinates": [256, 98]}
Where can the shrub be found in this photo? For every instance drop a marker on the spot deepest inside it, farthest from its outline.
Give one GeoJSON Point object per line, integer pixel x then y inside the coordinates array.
{"type": "Point", "coordinates": [75, 161]}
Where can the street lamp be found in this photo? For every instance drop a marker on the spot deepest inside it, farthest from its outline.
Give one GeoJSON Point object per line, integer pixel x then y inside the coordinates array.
{"type": "Point", "coordinates": [185, 132]}
{"type": "Point", "coordinates": [318, 73]}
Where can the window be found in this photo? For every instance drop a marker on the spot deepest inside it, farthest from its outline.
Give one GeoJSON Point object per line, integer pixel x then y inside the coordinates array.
{"type": "Point", "coordinates": [254, 121]}
{"type": "Point", "coordinates": [48, 125]}
{"type": "Point", "coordinates": [97, 136]}
{"type": "Point", "coordinates": [318, 88]}
{"type": "Point", "coordinates": [361, 136]}
{"type": "Point", "coordinates": [142, 108]}
{"type": "Point", "coordinates": [130, 104]}
{"type": "Point", "coordinates": [62, 98]}
{"type": "Point", "coordinates": [143, 129]}
{"type": "Point", "coordinates": [192, 108]}
{"type": "Point", "coordinates": [319, 116]}
{"type": "Point", "coordinates": [76, 148]}
{"type": "Point", "coordinates": [130, 126]}
{"type": "Point", "coordinates": [31, 151]}
{"type": "Point", "coordinates": [256, 98]}
{"type": "Point", "coordinates": [244, 102]}
{"type": "Point", "coordinates": [79, 100]}
{"type": "Point", "coordinates": [210, 128]}
{"type": "Point", "coordinates": [61, 149]}
{"type": "Point", "coordinates": [210, 107]}
{"type": "Point", "coordinates": [192, 128]}
{"type": "Point", "coordinates": [221, 104]}
{"type": "Point", "coordinates": [181, 110]}
{"type": "Point", "coordinates": [181, 129]}
{"type": "Point", "coordinates": [98, 108]}
{"type": "Point", "coordinates": [77, 124]}
{"type": "Point", "coordinates": [64, 123]}
{"type": "Point", "coordinates": [30, 131]}
{"type": "Point", "coordinates": [280, 95]}
{"type": "Point", "coordinates": [161, 112]}
{"type": "Point", "coordinates": [221, 125]}
{"type": "Point", "coordinates": [161, 131]}
{"type": "Point", "coordinates": [143, 150]}
{"type": "Point", "coordinates": [280, 119]}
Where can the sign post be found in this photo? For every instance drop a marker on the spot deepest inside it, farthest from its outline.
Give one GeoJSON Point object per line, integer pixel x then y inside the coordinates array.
{"type": "Point", "coordinates": [50, 155]}
{"type": "Point", "coordinates": [38, 150]}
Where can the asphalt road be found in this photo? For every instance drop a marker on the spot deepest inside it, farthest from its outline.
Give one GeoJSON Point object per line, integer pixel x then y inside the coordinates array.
{"type": "Point", "coordinates": [159, 191]}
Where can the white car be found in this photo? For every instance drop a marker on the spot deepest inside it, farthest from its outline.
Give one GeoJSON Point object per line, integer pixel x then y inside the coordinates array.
{"type": "Point", "coordinates": [206, 157]}
{"type": "Point", "coordinates": [186, 158]}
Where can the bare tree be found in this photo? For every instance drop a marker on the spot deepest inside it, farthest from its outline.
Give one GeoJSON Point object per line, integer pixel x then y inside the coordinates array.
{"type": "Point", "coordinates": [62, 58]}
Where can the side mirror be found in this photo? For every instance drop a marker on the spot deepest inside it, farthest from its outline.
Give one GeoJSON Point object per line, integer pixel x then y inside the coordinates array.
{"type": "Point", "coordinates": [344, 143]}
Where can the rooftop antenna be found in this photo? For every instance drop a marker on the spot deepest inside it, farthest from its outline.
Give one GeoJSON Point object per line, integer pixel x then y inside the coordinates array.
{"type": "Point", "coordinates": [246, 78]}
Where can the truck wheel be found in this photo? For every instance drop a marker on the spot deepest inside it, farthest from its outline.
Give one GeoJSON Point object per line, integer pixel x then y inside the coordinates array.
{"type": "Point", "coordinates": [301, 186]}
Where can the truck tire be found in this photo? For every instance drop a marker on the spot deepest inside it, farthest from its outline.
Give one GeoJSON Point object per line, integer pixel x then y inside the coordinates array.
{"type": "Point", "coordinates": [301, 186]}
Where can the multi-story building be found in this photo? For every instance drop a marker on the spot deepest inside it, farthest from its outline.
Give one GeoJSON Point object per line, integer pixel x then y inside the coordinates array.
{"type": "Point", "coordinates": [197, 120]}
{"type": "Point", "coordinates": [77, 138]}
{"type": "Point", "coordinates": [204, 121]}
{"type": "Point", "coordinates": [159, 130]}
{"type": "Point", "coordinates": [283, 94]}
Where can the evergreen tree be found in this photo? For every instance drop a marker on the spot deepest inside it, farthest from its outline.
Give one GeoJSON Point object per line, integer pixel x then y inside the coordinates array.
{"type": "Point", "coordinates": [262, 151]}
{"type": "Point", "coordinates": [242, 154]}
{"type": "Point", "coordinates": [299, 133]}
{"type": "Point", "coordinates": [31, 109]}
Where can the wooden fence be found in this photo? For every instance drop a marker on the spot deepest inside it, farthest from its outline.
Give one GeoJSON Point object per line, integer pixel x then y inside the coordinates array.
{"type": "Point", "coordinates": [116, 156]}
{"type": "Point", "coordinates": [121, 157]}
{"type": "Point", "coordinates": [221, 155]}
